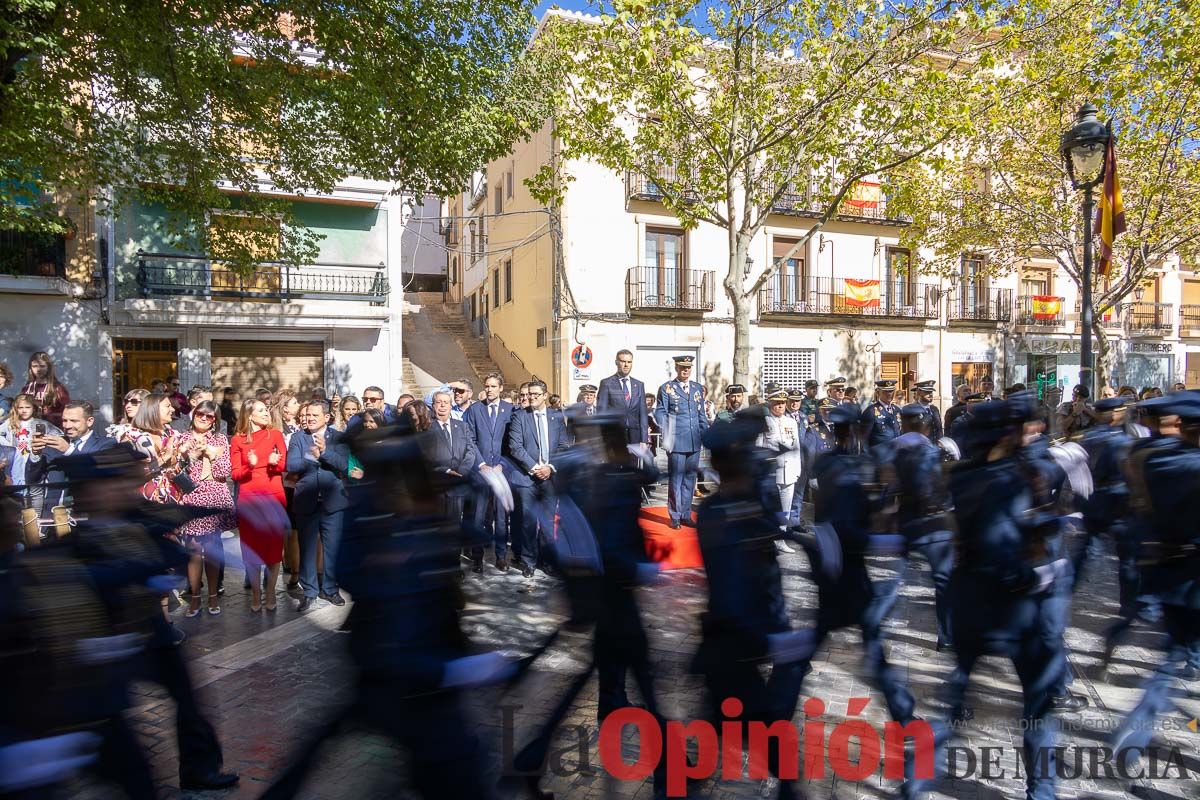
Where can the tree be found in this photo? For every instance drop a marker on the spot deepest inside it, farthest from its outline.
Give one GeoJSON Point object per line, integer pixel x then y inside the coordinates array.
{"type": "Point", "coordinates": [1003, 189]}
{"type": "Point", "coordinates": [203, 104]}
{"type": "Point", "coordinates": [733, 106]}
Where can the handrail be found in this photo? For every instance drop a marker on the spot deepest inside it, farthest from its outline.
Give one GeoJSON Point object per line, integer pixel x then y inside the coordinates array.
{"type": "Point", "coordinates": [193, 257]}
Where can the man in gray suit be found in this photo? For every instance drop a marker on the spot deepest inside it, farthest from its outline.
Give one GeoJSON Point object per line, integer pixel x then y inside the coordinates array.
{"type": "Point", "coordinates": [197, 395]}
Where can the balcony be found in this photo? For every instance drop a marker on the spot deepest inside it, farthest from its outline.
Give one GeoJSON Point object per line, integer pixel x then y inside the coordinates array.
{"type": "Point", "coordinates": [1151, 319]}
{"type": "Point", "coordinates": [33, 263]}
{"type": "Point", "coordinates": [799, 204]}
{"type": "Point", "coordinates": [1041, 310]}
{"type": "Point", "coordinates": [670, 289]}
{"type": "Point", "coordinates": [979, 304]}
{"type": "Point", "coordinates": [167, 275]}
{"type": "Point", "coordinates": [1189, 318]}
{"type": "Point", "coordinates": [642, 187]}
{"type": "Point", "coordinates": [848, 297]}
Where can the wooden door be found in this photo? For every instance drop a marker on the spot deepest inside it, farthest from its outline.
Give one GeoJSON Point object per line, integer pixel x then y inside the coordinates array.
{"type": "Point", "coordinates": [138, 363]}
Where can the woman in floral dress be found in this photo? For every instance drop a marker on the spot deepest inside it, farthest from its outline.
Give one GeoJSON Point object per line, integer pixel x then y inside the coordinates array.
{"type": "Point", "coordinates": [151, 435]}
{"type": "Point", "coordinates": [204, 454]}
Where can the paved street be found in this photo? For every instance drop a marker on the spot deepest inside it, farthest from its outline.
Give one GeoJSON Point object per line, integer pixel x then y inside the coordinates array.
{"type": "Point", "coordinates": [267, 679]}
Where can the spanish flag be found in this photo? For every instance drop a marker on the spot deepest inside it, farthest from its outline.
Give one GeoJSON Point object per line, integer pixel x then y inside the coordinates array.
{"type": "Point", "coordinates": [1110, 220]}
{"type": "Point", "coordinates": [865, 194]}
{"type": "Point", "coordinates": [1046, 306]}
{"type": "Point", "coordinates": [862, 294]}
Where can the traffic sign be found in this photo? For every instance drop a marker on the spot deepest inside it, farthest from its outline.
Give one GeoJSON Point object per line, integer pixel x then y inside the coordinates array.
{"type": "Point", "coordinates": [581, 356]}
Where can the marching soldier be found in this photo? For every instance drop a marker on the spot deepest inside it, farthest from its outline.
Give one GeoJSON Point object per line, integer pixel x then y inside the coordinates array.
{"type": "Point", "coordinates": [881, 419]}
{"type": "Point", "coordinates": [680, 416]}
{"type": "Point", "coordinates": [810, 403]}
{"type": "Point", "coordinates": [924, 392]}
{"type": "Point", "coordinates": [735, 395]}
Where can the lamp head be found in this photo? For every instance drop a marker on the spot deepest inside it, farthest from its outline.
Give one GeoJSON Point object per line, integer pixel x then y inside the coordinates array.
{"type": "Point", "coordinates": [1083, 149]}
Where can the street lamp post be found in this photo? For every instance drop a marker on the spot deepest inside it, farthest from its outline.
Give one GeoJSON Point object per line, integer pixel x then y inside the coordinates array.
{"type": "Point", "coordinates": [1083, 151]}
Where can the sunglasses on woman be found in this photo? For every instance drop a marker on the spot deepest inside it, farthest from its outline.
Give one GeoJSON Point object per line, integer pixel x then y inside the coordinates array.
{"type": "Point", "coordinates": [205, 415]}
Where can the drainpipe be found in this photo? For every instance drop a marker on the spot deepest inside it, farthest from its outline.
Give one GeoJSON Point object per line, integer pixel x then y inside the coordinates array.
{"type": "Point", "coordinates": [556, 260]}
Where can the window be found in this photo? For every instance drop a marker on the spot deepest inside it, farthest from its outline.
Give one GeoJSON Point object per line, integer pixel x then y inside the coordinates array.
{"type": "Point", "coordinates": [1035, 282]}
{"type": "Point", "coordinates": [508, 184]}
{"type": "Point", "coordinates": [454, 270]}
{"type": "Point", "coordinates": [496, 289]}
{"type": "Point", "coordinates": [787, 284]}
{"type": "Point", "coordinates": [473, 311]}
{"type": "Point", "coordinates": [499, 200]}
{"type": "Point", "coordinates": [541, 337]}
{"type": "Point", "coordinates": [474, 235]}
{"type": "Point", "coordinates": [971, 373]}
{"type": "Point", "coordinates": [508, 281]}
{"type": "Point", "coordinates": [973, 294]}
{"type": "Point", "coordinates": [900, 286]}
{"type": "Point", "coordinates": [664, 261]}
{"type": "Point", "coordinates": [789, 366]}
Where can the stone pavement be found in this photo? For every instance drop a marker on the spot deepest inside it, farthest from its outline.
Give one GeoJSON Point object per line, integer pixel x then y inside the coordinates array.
{"type": "Point", "coordinates": [268, 679]}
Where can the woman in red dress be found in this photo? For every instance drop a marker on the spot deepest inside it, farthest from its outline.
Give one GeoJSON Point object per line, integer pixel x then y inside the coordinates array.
{"type": "Point", "coordinates": [258, 456]}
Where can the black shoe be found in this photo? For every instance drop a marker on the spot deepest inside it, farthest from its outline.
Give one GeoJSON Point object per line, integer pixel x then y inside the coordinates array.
{"type": "Point", "coordinates": [208, 781]}
{"type": "Point", "coordinates": [944, 646]}
{"type": "Point", "coordinates": [178, 636]}
{"type": "Point", "coordinates": [526, 571]}
{"type": "Point", "coordinates": [674, 524]}
{"type": "Point", "coordinates": [688, 521]}
{"type": "Point", "coordinates": [292, 586]}
{"type": "Point", "coordinates": [1069, 702]}
{"type": "Point", "coordinates": [1187, 673]}
{"type": "Point", "coordinates": [477, 567]}
{"type": "Point", "coordinates": [335, 598]}
{"type": "Point", "coordinates": [502, 564]}
{"type": "Point", "coordinates": [304, 604]}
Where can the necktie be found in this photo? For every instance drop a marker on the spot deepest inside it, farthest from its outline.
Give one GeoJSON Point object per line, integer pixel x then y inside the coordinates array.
{"type": "Point", "coordinates": [543, 437]}
{"type": "Point", "coordinates": [625, 383]}
{"type": "Point", "coordinates": [492, 412]}
{"type": "Point", "coordinates": [446, 431]}
{"type": "Point", "coordinates": [72, 448]}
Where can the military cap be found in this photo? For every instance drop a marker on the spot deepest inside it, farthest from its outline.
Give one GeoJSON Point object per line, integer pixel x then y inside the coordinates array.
{"type": "Point", "coordinates": [811, 384]}
{"type": "Point", "coordinates": [686, 361]}
{"type": "Point", "coordinates": [795, 394]}
{"type": "Point", "coordinates": [778, 396]}
{"type": "Point", "coordinates": [1185, 405]}
{"type": "Point", "coordinates": [741, 432]}
{"type": "Point", "coordinates": [735, 388]}
{"type": "Point", "coordinates": [826, 404]}
{"type": "Point", "coordinates": [978, 397]}
{"type": "Point", "coordinates": [913, 410]}
{"type": "Point", "coordinates": [587, 387]}
{"type": "Point", "coordinates": [771, 387]}
{"type": "Point", "coordinates": [925, 386]}
{"type": "Point", "coordinates": [887, 385]}
{"type": "Point", "coordinates": [1110, 403]}
{"type": "Point", "coordinates": [994, 414]}
{"type": "Point", "coordinates": [844, 415]}
{"type": "Point", "coordinates": [838, 382]}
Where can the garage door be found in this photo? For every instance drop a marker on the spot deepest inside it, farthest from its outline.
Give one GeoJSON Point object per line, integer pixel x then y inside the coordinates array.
{"type": "Point", "coordinates": [251, 365]}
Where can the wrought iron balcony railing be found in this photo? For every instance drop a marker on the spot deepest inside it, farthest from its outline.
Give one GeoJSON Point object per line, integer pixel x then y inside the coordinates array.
{"type": "Point", "coordinates": [670, 289]}
{"type": "Point", "coordinates": [1153, 319]}
{"type": "Point", "coordinates": [643, 187]}
{"type": "Point", "coordinates": [167, 275]}
{"type": "Point", "coordinates": [1189, 317]}
{"type": "Point", "coordinates": [39, 255]}
{"type": "Point", "coordinates": [1045, 310]}
{"type": "Point", "coordinates": [800, 204]}
{"type": "Point", "coordinates": [974, 303]}
{"type": "Point", "coordinates": [849, 297]}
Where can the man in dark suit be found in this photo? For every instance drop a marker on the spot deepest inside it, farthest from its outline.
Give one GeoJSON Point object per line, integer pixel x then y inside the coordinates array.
{"type": "Point", "coordinates": [197, 395]}
{"type": "Point", "coordinates": [317, 455]}
{"type": "Point", "coordinates": [453, 453]}
{"type": "Point", "coordinates": [535, 436]}
{"type": "Point", "coordinates": [78, 437]}
{"type": "Point", "coordinates": [487, 422]}
{"type": "Point", "coordinates": [625, 394]}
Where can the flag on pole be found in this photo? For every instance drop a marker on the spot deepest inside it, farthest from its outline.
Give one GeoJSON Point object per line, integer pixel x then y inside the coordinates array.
{"type": "Point", "coordinates": [1110, 219]}
{"type": "Point", "coordinates": [862, 294]}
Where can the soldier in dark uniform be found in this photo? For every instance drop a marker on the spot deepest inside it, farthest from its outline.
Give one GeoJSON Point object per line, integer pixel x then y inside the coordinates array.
{"type": "Point", "coordinates": [1104, 512]}
{"type": "Point", "coordinates": [735, 395]}
{"type": "Point", "coordinates": [835, 390]}
{"type": "Point", "coordinates": [924, 393]}
{"type": "Point", "coordinates": [810, 403]}
{"type": "Point", "coordinates": [844, 503]}
{"type": "Point", "coordinates": [960, 423]}
{"type": "Point", "coordinates": [881, 419]}
{"type": "Point", "coordinates": [1001, 580]}
{"type": "Point", "coordinates": [818, 438]}
{"type": "Point", "coordinates": [1169, 474]}
{"type": "Point", "coordinates": [680, 415]}
{"type": "Point", "coordinates": [746, 624]}
{"type": "Point", "coordinates": [923, 507]}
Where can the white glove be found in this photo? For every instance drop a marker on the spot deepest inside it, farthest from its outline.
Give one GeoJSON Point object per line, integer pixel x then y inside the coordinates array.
{"type": "Point", "coordinates": [1048, 573]}
{"type": "Point", "coordinates": [499, 486]}
{"type": "Point", "coordinates": [39, 762]}
{"type": "Point", "coordinates": [479, 670]}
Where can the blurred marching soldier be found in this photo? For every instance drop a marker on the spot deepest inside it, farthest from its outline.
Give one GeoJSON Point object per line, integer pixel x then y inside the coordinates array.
{"type": "Point", "coordinates": [959, 424]}
{"type": "Point", "coordinates": [881, 419]}
{"type": "Point", "coordinates": [835, 390]}
{"type": "Point", "coordinates": [680, 416]}
{"type": "Point", "coordinates": [399, 560]}
{"type": "Point", "coordinates": [735, 395]}
{"type": "Point", "coordinates": [1169, 475]}
{"type": "Point", "coordinates": [810, 403]}
{"type": "Point", "coordinates": [1001, 581]}
{"type": "Point", "coordinates": [843, 504]}
{"type": "Point", "coordinates": [746, 623]}
{"type": "Point", "coordinates": [924, 506]}
{"type": "Point", "coordinates": [924, 394]}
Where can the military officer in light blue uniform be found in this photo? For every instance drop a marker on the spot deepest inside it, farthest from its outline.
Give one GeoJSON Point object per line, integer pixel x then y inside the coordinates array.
{"type": "Point", "coordinates": [681, 418]}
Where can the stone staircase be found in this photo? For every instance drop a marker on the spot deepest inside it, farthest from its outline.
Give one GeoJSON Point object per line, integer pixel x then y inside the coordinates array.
{"type": "Point", "coordinates": [440, 343]}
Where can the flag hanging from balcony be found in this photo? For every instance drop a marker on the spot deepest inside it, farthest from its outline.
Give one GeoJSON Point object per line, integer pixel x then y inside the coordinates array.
{"type": "Point", "coordinates": [862, 294]}
{"type": "Point", "coordinates": [1046, 306]}
{"type": "Point", "coordinates": [865, 194]}
{"type": "Point", "coordinates": [1110, 220]}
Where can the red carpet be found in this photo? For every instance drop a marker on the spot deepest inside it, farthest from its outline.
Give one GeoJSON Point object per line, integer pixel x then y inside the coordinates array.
{"type": "Point", "coordinates": [671, 549]}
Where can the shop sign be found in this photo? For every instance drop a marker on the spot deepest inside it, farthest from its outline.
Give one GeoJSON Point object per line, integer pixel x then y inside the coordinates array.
{"type": "Point", "coordinates": [1150, 347]}
{"type": "Point", "coordinates": [1043, 345]}
{"type": "Point", "coordinates": [974, 356]}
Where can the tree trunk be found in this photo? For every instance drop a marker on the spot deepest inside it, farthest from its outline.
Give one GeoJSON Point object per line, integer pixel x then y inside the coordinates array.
{"type": "Point", "coordinates": [1103, 349]}
{"type": "Point", "coordinates": [735, 289]}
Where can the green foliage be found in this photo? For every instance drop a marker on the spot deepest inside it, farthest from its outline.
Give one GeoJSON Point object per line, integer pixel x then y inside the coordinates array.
{"type": "Point", "coordinates": [203, 104]}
